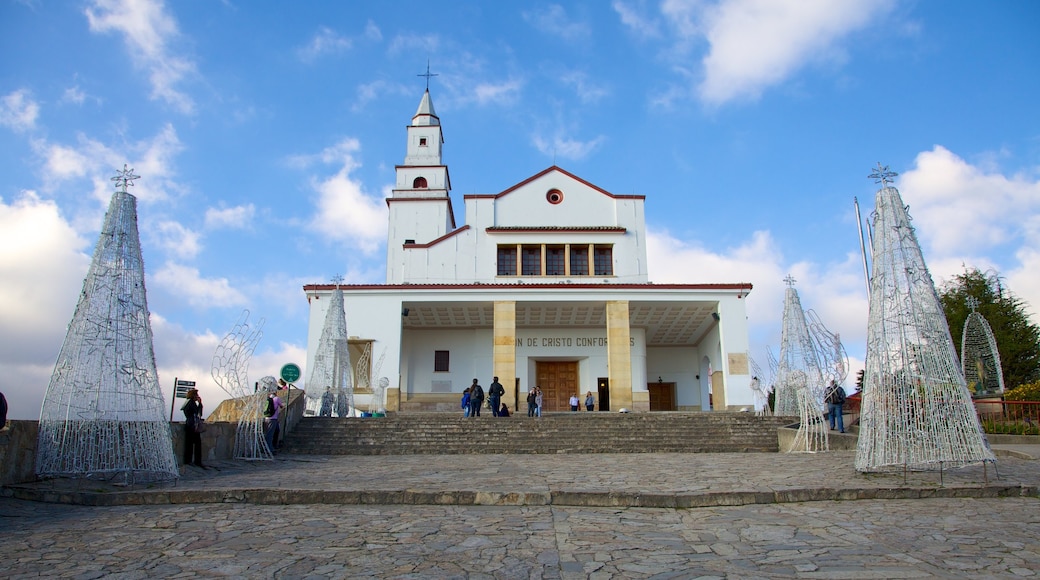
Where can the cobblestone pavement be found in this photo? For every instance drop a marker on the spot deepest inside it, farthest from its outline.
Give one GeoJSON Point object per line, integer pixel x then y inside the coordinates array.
{"type": "Point", "coordinates": [924, 538]}
{"type": "Point", "coordinates": [991, 531]}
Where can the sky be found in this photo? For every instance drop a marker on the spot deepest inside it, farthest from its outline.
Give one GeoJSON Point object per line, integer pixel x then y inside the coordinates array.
{"type": "Point", "coordinates": [266, 135]}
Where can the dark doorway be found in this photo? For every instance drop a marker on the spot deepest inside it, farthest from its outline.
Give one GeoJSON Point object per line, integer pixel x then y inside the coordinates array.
{"type": "Point", "coordinates": [662, 396]}
{"type": "Point", "coordinates": [603, 386]}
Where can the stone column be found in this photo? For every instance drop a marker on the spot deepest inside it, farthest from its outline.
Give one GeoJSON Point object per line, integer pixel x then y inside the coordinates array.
{"type": "Point", "coordinates": [504, 363]}
{"type": "Point", "coordinates": [619, 354]}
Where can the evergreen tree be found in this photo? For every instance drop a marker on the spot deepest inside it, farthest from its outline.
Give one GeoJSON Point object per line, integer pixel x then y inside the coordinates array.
{"type": "Point", "coordinates": [1018, 339]}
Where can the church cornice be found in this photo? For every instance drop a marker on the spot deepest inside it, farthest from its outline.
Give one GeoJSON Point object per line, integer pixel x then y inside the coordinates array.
{"type": "Point", "coordinates": [555, 229]}
{"type": "Point", "coordinates": [743, 288]}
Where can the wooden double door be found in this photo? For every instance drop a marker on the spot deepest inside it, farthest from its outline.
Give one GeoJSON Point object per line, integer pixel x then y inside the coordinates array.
{"type": "Point", "coordinates": [558, 380]}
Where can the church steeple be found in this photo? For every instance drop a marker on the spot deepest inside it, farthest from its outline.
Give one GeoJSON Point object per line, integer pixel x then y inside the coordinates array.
{"type": "Point", "coordinates": [421, 178]}
{"type": "Point", "coordinates": [424, 136]}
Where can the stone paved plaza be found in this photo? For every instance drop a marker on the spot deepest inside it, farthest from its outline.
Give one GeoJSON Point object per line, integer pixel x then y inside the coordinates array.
{"type": "Point", "coordinates": [535, 516]}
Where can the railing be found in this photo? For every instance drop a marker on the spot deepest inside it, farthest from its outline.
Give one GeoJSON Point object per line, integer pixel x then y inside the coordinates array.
{"type": "Point", "coordinates": [1022, 417]}
{"type": "Point", "coordinates": [1017, 417]}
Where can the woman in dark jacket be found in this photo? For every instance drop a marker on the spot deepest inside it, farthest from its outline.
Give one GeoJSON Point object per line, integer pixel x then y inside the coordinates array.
{"type": "Point", "coordinates": [192, 438]}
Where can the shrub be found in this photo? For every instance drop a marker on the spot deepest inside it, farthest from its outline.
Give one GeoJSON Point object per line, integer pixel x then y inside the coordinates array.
{"type": "Point", "coordinates": [1027, 392]}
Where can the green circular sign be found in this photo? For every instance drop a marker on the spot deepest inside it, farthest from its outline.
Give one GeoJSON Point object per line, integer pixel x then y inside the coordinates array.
{"type": "Point", "coordinates": [290, 373]}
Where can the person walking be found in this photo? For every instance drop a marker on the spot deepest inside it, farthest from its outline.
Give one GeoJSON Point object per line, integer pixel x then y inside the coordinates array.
{"type": "Point", "coordinates": [835, 399]}
{"type": "Point", "coordinates": [574, 402]}
{"type": "Point", "coordinates": [192, 410]}
{"type": "Point", "coordinates": [495, 392]}
{"type": "Point", "coordinates": [476, 398]}
{"type": "Point", "coordinates": [590, 401]}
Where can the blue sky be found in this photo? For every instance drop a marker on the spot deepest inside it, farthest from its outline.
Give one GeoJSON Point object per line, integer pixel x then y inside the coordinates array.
{"type": "Point", "coordinates": [266, 134]}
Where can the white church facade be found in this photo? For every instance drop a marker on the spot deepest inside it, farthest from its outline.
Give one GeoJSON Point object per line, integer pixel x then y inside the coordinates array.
{"type": "Point", "coordinates": [545, 284]}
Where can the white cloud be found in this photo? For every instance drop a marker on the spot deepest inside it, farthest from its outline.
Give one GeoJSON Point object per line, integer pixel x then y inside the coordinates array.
{"type": "Point", "coordinates": [42, 266]}
{"type": "Point", "coordinates": [755, 44]}
{"type": "Point", "coordinates": [238, 217]}
{"type": "Point", "coordinates": [326, 41]}
{"type": "Point", "coordinates": [565, 148]}
{"type": "Point", "coordinates": [417, 44]}
{"type": "Point", "coordinates": [176, 239]}
{"type": "Point", "coordinates": [553, 20]}
{"type": "Point", "coordinates": [959, 208]}
{"type": "Point", "coordinates": [587, 91]}
{"type": "Point", "coordinates": [974, 216]}
{"type": "Point", "coordinates": [148, 31]}
{"type": "Point", "coordinates": [18, 111]}
{"type": "Point", "coordinates": [73, 95]}
{"type": "Point", "coordinates": [200, 292]}
{"type": "Point", "coordinates": [98, 162]}
{"type": "Point", "coordinates": [635, 20]}
{"type": "Point", "coordinates": [502, 93]}
{"type": "Point", "coordinates": [344, 211]}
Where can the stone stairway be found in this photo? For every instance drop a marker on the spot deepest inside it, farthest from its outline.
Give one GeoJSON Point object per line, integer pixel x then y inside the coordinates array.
{"type": "Point", "coordinates": [450, 433]}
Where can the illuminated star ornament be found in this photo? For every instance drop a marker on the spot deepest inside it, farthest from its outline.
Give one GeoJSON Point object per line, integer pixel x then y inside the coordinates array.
{"type": "Point", "coordinates": [882, 175]}
{"type": "Point", "coordinates": [125, 178]}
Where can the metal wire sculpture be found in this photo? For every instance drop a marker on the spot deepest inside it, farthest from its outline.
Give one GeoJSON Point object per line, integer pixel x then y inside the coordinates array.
{"type": "Point", "coordinates": [833, 358]}
{"type": "Point", "coordinates": [917, 413]}
{"type": "Point", "coordinates": [760, 393]}
{"type": "Point", "coordinates": [376, 403]}
{"type": "Point", "coordinates": [230, 371]}
{"type": "Point", "coordinates": [812, 433]}
{"type": "Point", "coordinates": [332, 371]}
{"type": "Point", "coordinates": [103, 414]}
{"type": "Point", "coordinates": [980, 359]}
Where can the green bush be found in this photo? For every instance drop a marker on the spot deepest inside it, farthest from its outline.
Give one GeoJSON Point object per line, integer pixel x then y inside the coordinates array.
{"type": "Point", "coordinates": [1027, 392]}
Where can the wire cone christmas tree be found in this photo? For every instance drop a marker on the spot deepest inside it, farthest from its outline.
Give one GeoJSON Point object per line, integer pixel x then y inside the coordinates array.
{"type": "Point", "coordinates": [799, 381]}
{"type": "Point", "coordinates": [103, 414]}
{"type": "Point", "coordinates": [980, 359]}
{"type": "Point", "coordinates": [332, 359]}
{"type": "Point", "coordinates": [798, 356]}
{"type": "Point", "coordinates": [917, 413]}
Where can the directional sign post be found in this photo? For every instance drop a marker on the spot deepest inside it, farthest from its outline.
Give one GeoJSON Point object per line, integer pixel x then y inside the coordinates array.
{"type": "Point", "coordinates": [180, 391]}
{"type": "Point", "coordinates": [290, 373]}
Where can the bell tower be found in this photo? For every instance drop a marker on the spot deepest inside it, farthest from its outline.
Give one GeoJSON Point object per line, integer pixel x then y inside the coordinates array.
{"type": "Point", "coordinates": [420, 205]}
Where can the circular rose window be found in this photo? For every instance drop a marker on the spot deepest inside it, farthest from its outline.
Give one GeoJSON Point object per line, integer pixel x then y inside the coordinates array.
{"type": "Point", "coordinates": [554, 196]}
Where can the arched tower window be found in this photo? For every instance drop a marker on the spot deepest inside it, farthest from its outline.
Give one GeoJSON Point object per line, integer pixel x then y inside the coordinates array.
{"type": "Point", "coordinates": [419, 183]}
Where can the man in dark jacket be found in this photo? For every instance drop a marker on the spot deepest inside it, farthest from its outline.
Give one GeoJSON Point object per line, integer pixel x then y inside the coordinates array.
{"type": "Point", "coordinates": [495, 392]}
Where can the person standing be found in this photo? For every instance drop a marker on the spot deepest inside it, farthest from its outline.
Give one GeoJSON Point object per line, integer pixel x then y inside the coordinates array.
{"type": "Point", "coordinates": [590, 401]}
{"type": "Point", "coordinates": [327, 401]}
{"type": "Point", "coordinates": [192, 410]}
{"type": "Point", "coordinates": [835, 399]}
{"type": "Point", "coordinates": [465, 402]}
{"type": "Point", "coordinates": [476, 398]}
{"type": "Point", "coordinates": [538, 400]}
{"type": "Point", "coordinates": [495, 392]}
{"type": "Point", "coordinates": [574, 402]}
{"type": "Point", "coordinates": [531, 404]}
{"type": "Point", "coordinates": [271, 426]}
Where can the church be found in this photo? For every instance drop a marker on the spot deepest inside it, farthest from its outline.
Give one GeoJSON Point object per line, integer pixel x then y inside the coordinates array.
{"type": "Point", "coordinates": [545, 284]}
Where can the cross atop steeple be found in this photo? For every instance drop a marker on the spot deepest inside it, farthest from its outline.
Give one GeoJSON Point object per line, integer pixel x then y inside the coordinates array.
{"type": "Point", "coordinates": [427, 74]}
